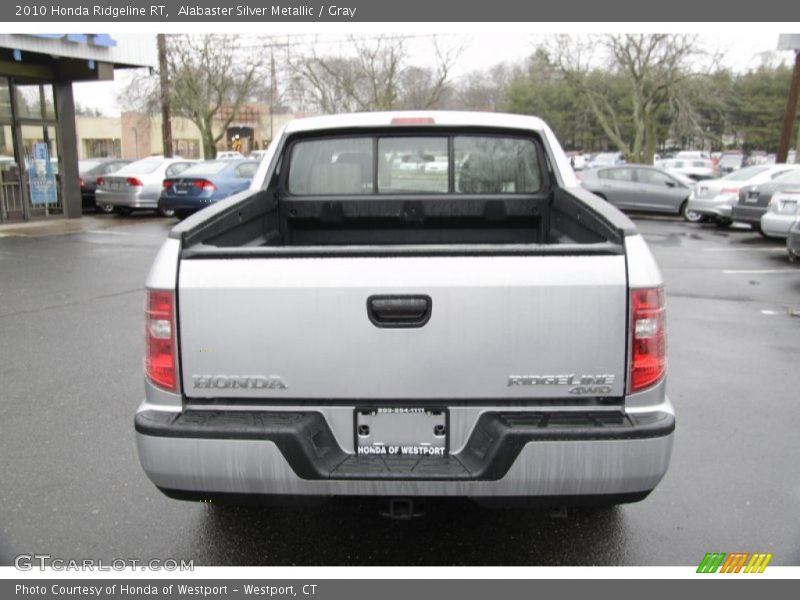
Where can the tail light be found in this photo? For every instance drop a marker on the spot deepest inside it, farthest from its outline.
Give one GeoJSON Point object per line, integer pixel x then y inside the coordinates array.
{"type": "Point", "coordinates": [205, 185]}
{"type": "Point", "coordinates": [100, 181]}
{"type": "Point", "coordinates": [730, 190]}
{"type": "Point", "coordinates": [81, 182]}
{"type": "Point", "coordinates": [134, 182]}
{"type": "Point", "coordinates": [648, 338]}
{"type": "Point", "coordinates": [166, 184]}
{"type": "Point", "coordinates": [160, 361]}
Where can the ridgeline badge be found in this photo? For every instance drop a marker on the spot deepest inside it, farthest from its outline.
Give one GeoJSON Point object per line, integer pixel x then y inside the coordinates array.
{"type": "Point", "coordinates": [597, 385]}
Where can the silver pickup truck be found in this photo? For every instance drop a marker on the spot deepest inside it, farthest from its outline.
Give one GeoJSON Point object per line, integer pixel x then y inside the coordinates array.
{"type": "Point", "coordinates": [407, 305]}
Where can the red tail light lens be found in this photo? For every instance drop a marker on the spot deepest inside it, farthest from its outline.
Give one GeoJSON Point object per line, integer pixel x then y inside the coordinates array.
{"type": "Point", "coordinates": [81, 182]}
{"type": "Point", "coordinates": [166, 184]}
{"type": "Point", "coordinates": [160, 361]}
{"type": "Point", "coordinates": [205, 185]}
{"type": "Point", "coordinates": [730, 190]}
{"type": "Point", "coordinates": [100, 181]}
{"type": "Point", "coordinates": [648, 338]}
{"type": "Point", "coordinates": [134, 181]}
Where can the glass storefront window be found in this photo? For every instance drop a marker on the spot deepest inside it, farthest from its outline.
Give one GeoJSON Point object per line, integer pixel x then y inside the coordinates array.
{"type": "Point", "coordinates": [5, 101]}
{"type": "Point", "coordinates": [49, 102]}
{"type": "Point", "coordinates": [35, 101]}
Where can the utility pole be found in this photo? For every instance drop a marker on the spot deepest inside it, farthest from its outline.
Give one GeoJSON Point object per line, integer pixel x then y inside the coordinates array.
{"type": "Point", "coordinates": [163, 71]}
{"type": "Point", "coordinates": [789, 42]}
{"type": "Point", "coordinates": [271, 90]}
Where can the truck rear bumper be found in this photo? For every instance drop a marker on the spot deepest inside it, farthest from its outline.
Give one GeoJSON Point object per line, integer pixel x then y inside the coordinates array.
{"type": "Point", "coordinates": [198, 454]}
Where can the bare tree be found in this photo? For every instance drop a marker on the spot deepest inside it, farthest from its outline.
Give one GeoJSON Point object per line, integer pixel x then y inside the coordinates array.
{"type": "Point", "coordinates": [210, 79]}
{"type": "Point", "coordinates": [654, 67]}
{"type": "Point", "coordinates": [374, 74]}
{"type": "Point", "coordinates": [484, 90]}
{"type": "Point", "coordinates": [208, 75]}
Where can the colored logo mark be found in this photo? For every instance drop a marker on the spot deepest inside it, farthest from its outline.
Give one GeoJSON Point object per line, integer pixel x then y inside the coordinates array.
{"type": "Point", "coordinates": [736, 562]}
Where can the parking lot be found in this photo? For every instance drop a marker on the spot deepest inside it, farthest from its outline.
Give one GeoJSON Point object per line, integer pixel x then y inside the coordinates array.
{"type": "Point", "coordinates": [70, 367]}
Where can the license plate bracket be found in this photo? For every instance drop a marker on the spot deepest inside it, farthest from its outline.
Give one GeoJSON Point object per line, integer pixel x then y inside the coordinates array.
{"type": "Point", "coordinates": [408, 431]}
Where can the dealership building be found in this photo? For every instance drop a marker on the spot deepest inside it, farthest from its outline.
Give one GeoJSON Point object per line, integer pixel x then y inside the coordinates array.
{"type": "Point", "coordinates": [39, 145]}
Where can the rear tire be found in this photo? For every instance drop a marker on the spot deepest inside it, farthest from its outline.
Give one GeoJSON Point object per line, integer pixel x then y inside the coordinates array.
{"type": "Point", "coordinates": [182, 214]}
{"type": "Point", "coordinates": [690, 215]}
{"type": "Point", "coordinates": [105, 209]}
{"type": "Point", "coordinates": [165, 212]}
{"type": "Point", "coordinates": [757, 227]}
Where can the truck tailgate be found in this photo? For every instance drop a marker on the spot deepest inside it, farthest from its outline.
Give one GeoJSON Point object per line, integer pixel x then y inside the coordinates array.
{"type": "Point", "coordinates": [499, 327]}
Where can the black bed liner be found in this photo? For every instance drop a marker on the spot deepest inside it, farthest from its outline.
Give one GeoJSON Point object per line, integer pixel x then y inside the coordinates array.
{"type": "Point", "coordinates": [271, 219]}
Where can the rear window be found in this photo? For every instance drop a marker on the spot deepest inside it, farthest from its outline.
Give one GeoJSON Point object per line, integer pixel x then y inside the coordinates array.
{"type": "Point", "coordinates": [144, 166]}
{"type": "Point", "coordinates": [468, 164]}
{"type": "Point", "coordinates": [84, 166]}
{"type": "Point", "coordinates": [791, 177]}
{"type": "Point", "coordinates": [745, 173]}
{"type": "Point", "coordinates": [206, 168]}
{"type": "Point", "coordinates": [246, 170]}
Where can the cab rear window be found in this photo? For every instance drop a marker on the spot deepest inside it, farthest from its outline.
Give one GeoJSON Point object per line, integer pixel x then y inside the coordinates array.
{"type": "Point", "coordinates": [457, 164]}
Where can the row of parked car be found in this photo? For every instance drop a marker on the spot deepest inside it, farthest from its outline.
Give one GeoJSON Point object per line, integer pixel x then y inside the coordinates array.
{"type": "Point", "coordinates": [171, 186]}
{"type": "Point", "coordinates": [695, 164]}
{"type": "Point", "coordinates": [764, 196]}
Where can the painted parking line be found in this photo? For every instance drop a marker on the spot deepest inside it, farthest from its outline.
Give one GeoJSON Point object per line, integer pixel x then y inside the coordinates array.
{"type": "Point", "coordinates": [781, 249]}
{"type": "Point", "coordinates": [123, 233]}
{"type": "Point", "coordinates": [759, 271]}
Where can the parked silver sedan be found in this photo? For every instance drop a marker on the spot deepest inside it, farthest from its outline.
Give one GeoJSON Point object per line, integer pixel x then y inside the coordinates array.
{"type": "Point", "coordinates": [715, 198]}
{"type": "Point", "coordinates": [138, 185]}
{"type": "Point", "coordinates": [754, 199]}
{"type": "Point", "coordinates": [793, 242]}
{"type": "Point", "coordinates": [783, 211]}
{"type": "Point", "coordinates": [641, 188]}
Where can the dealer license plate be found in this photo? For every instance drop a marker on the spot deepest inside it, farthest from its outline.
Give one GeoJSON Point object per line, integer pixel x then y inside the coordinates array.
{"type": "Point", "coordinates": [401, 431]}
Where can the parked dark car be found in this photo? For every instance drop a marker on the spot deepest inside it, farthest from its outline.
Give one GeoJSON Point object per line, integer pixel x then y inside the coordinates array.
{"type": "Point", "coordinates": [793, 242]}
{"type": "Point", "coordinates": [205, 183]}
{"type": "Point", "coordinates": [753, 201]}
{"type": "Point", "coordinates": [642, 188]}
{"type": "Point", "coordinates": [88, 171]}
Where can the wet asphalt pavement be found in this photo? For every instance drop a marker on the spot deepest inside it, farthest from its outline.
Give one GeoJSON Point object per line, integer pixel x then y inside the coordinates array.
{"type": "Point", "coordinates": [70, 380]}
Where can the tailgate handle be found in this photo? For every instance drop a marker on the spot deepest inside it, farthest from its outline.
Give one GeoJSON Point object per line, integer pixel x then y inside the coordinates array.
{"type": "Point", "coordinates": [399, 311]}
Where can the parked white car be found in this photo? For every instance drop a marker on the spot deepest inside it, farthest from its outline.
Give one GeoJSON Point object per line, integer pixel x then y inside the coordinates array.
{"type": "Point", "coordinates": [138, 185]}
{"type": "Point", "coordinates": [693, 154]}
{"type": "Point", "coordinates": [257, 154]}
{"type": "Point", "coordinates": [696, 168]}
{"type": "Point", "coordinates": [229, 155]}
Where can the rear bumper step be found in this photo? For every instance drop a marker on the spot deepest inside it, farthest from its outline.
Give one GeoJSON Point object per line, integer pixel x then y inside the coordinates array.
{"type": "Point", "coordinates": [309, 447]}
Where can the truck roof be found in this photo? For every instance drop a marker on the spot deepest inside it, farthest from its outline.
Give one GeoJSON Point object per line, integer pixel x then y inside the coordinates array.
{"type": "Point", "coordinates": [440, 117]}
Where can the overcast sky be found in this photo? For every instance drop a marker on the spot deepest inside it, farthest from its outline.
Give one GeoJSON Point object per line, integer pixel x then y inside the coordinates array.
{"type": "Point", "coordinates": [741, 51]}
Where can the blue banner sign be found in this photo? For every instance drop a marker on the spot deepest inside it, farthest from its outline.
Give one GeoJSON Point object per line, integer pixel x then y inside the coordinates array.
{"type": "Point", "coordinates": [41, 178]}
